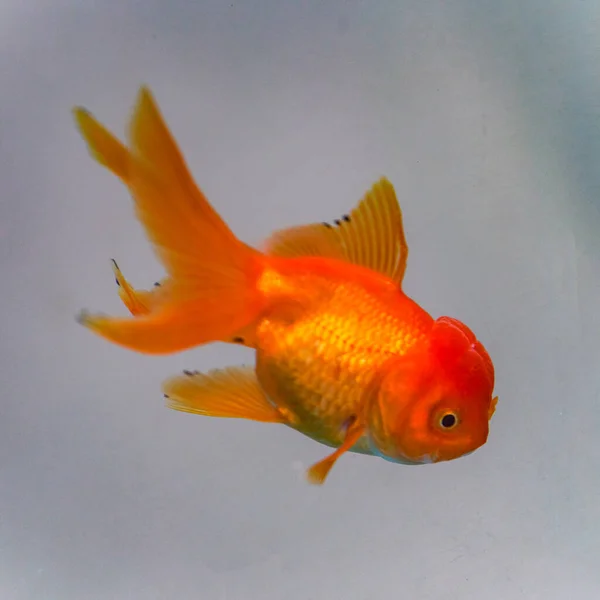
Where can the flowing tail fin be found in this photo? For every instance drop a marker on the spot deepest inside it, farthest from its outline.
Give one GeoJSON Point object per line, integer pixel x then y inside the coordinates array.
{"type": "Point", "coordinates": [212, 275]}
{"type": "Point", "coordinates": [139, 302]}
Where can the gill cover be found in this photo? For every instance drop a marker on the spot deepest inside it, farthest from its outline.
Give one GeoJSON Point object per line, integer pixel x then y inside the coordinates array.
{"type": "Point", "coordinates": [451, 373]}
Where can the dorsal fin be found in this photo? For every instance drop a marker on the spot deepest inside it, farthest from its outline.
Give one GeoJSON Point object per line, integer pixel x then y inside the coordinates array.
{"type": "Point", "coordinates": [372, 235]}
{"type": "Point", "coordinates": [316, 239]}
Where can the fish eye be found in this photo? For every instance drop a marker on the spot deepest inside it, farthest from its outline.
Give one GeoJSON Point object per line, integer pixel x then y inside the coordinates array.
{"type": "Point", "coordinates": [448, 420]}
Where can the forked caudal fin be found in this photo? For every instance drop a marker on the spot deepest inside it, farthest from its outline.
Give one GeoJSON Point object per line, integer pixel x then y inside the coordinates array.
{"type": "Point", "coordinates": [212, 274]}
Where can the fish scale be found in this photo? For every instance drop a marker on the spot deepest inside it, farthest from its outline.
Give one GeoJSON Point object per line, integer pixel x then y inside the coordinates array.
{"type": "Point", "coordinates": [320, 366]}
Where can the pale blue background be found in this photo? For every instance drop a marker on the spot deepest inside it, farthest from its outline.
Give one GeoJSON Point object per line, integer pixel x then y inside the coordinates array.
{"type": "Point", "coordinates": [486, 117]}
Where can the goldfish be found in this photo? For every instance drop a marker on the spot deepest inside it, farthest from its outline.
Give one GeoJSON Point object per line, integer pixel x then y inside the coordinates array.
{"type": "Point", "coordinates": [342, 354]}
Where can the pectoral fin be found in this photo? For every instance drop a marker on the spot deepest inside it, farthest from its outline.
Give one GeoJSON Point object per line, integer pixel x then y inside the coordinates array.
{"type": "Point", "coordinates": [492, 409]}
{"type": "Point", "coordinates": [319, 471]}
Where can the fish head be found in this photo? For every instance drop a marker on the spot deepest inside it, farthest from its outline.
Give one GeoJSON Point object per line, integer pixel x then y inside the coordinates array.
{"type": "Point", "coordinates": [435, 403]}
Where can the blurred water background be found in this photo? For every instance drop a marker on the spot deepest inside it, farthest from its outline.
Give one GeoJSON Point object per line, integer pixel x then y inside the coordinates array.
{"type": "Point", "coordinates": [486, 117]}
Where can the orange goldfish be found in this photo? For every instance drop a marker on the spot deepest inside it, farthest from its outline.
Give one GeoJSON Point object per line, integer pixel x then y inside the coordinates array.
{"type": "Point", "coordinates": [343, 355]}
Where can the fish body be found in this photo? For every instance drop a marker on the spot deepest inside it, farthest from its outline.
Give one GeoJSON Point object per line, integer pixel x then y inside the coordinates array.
{"type": "Point", "coordinates": [343, 355]}
{"type": "Point", "coordinates": [320, 365]}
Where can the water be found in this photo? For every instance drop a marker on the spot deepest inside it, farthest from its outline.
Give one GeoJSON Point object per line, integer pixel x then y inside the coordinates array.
{"type": "Point", "coordinates": [484, 115]}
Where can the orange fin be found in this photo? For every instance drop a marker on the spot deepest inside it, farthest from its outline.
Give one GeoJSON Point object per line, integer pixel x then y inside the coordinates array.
{"type": "Point", "coordinates": [102, 144]}
{"type": "Point", "coordinates": [305, 240]}
{"type": "Point", "coordinates": [212, 275]}
{"type": "Point", "coordinates": [233, 392]}
{"type": "Point", "coordinates": [492, 409]}
{"type": "Point", "coordinates": [142, 302]}
{"type": "Point", "coordinates": [138, 302]}
{"type": "Point", "coordinates": [372, 235]}
{"type": "Point", "coordinates": [319, 471]}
